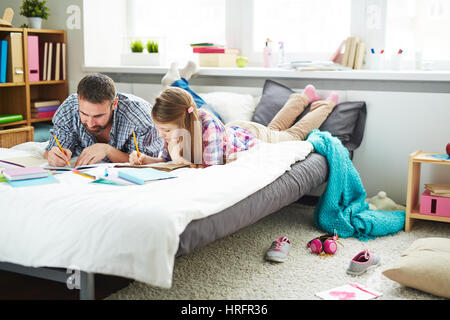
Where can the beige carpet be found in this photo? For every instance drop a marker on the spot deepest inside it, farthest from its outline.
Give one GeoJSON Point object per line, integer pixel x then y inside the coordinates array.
{"type": "Point", "coordinates": [234, 268]}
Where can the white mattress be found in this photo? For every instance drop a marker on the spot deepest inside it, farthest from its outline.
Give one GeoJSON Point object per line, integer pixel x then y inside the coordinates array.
{"type": "Point", "coordinates": [130, 231]}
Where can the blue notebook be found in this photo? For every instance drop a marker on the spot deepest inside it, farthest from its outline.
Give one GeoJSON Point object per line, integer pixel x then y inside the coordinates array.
{"type": "Point", "coordinates": [33, 182]}
{"type": "Point", "coordinates": [3, 58]}
{"type": "Point", "coordinates": [141, 176]}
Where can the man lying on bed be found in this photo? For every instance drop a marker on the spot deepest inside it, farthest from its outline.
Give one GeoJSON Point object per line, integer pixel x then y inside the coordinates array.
{"type": "Point", "coordinates": [97, 124]}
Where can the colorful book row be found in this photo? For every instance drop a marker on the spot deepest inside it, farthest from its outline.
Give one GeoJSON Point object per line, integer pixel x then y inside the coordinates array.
{"type": "Point", "coordinates": [46, 60]}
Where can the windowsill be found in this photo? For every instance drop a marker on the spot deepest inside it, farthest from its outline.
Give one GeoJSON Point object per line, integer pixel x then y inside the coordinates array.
{"type": "Point", "coordinates": [254, 72]}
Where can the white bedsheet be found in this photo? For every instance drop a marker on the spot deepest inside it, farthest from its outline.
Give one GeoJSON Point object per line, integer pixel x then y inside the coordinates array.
{"type": "Point", "coordinates": [129, 231]}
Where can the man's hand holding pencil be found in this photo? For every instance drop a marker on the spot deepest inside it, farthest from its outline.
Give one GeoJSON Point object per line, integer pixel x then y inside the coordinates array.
{"type": "Point", "coordinates": [59, 157]}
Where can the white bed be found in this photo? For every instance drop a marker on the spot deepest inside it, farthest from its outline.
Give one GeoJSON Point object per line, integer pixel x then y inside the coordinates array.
{"type": "Point", "coordinates": [128, 231]}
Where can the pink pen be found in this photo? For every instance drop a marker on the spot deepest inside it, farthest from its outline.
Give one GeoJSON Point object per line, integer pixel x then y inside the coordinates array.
{"type": "Point", "coordinates": [354, 285]}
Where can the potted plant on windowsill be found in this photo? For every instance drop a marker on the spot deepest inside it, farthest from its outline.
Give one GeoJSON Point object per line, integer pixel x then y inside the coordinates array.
{"type": "Point", "coordinates": [35, 11]}
{"type": "Point", "coordinates": [153, 51]}
{"type": "Point", "coordinates": [137, 56]}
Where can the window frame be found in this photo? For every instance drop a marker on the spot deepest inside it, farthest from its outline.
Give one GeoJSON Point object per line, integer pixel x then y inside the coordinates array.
{"type": "Point", "coordinates": [239, 18]}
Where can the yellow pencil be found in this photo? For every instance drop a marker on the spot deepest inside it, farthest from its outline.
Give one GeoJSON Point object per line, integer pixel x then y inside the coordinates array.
{"type": "Point", "coordinates": [84, 174]}
{"type": "Point", "coordinates": [60, 148]}
{"type": "Point", "coordinates": [135, 142]}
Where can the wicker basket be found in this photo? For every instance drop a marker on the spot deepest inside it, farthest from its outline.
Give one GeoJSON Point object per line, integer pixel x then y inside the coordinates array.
{"type": "Point", "coordinates": [12, 137]}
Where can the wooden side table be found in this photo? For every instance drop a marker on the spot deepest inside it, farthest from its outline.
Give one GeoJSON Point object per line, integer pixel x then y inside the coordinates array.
{"type": "Point", "coordinates": [412, 196]}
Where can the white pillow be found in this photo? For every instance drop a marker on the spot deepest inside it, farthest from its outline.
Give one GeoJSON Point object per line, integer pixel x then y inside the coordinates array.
{"type": "Point", "coordinates": [231, 106]}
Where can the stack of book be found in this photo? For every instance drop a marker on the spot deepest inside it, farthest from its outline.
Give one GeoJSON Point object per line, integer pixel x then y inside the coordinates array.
{"type": "Point", "coordinates": [27, 176]}
{"type": "Point", "coordinates": [44, 109]}
{"type": "Point", "coordinates": [25, 173]}
{"type": "Point", "coordinates": [354, 52]}
{"type": "Point", "coordinates": [438, 190]}
{"type": "Point", "coordinates": [214, 55]}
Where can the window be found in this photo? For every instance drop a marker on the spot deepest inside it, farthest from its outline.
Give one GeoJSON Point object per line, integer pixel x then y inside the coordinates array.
{"type": "Point", "coordinates": [419, 27]}
{"type": "Point", "coordinates": [177, 23]}
{"type": "Point", "coordinates": [312, 28]}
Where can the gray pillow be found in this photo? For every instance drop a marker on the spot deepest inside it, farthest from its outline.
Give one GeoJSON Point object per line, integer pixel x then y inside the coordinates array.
{"type": "Point", "coordinates": [346, 122]}
{"type": "Point", "coordinates": [273, 98]}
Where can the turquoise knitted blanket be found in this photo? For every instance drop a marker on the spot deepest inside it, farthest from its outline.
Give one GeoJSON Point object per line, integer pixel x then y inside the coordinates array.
{"type": "Point", "coordinates": [342, 207]}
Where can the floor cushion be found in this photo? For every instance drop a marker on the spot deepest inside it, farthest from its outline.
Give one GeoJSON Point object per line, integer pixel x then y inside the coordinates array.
{"type": "Point", "coordinates": [425, 266]}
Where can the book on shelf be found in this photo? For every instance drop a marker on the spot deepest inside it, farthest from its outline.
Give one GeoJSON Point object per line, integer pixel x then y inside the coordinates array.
{"type": "Point", "coordinates": [354, 52]}
{"type": "Point", "coordinates": [203, 44]}
{"type": "Point", "coordinates": [346, 51]}
{"type": "Point", "coordinates": [49, 61]}
{"type": "Point", "coordinates": [359, 55]}
{"type": "Point", "coordinates": [53, 61]}
{"type": "Point", "coordinates": [42, 115]}
{"type": "Point", "coordinates": [44, 109]}
{"type": "Point", "coordinates": [438, 190]}
{"type": "Point", "coordinates": [63, 66]}
{"type": "Point", "coordinates": [15, 70]}
{"type": "Point", "coordinates": [7, 118]}
{"type": "Point", "coordinates": [208, 50]}
{"type": "Point", "coordinates": [3, 60]}
{"type": "Point", "coordinates": [33, 58]}
{"type": "Point", "coordinates": [44, 103]}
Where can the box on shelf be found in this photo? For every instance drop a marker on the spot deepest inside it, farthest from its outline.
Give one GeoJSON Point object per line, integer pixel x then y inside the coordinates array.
{"type": "Point", "coordinates": [217, 59]}
{"type": "Point", "coordinates": [435, 206]}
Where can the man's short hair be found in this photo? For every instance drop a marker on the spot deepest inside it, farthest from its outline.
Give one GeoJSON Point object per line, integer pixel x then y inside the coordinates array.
{"type": "Point", "coordinates": [96, 88]}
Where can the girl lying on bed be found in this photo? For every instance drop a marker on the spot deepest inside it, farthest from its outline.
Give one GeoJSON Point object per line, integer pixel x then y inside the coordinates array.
{"type": "Point", "coordinates": [195, 136]}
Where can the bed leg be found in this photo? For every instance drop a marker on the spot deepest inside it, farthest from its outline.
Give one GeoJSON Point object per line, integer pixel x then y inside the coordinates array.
{"type": "Point", "coordinates": [87, 286]}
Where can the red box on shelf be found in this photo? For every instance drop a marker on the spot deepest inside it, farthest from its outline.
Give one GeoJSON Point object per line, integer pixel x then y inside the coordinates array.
{"type": "Point", "coordinates": [434, 206]}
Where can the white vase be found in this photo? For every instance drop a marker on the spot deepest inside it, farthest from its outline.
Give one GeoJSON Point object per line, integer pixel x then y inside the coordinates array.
{"type": "Point", "coordinates": [35, 22]}
{"type": "Point", "coordinates": [140, 59]}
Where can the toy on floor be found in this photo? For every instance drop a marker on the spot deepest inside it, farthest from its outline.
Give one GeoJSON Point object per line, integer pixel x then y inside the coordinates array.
{"type": "Point", "coordinates": [325, 245]}
{"type": "Point", "coordinates": [383, 203]}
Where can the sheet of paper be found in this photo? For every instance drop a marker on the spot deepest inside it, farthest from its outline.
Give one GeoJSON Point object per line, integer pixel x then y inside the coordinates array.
{"type": "Point", "coordinates": [351, 291]}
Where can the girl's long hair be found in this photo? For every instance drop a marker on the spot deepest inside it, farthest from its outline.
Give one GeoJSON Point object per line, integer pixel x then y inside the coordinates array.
{"type": "Point", "coordinates": [173, 106]}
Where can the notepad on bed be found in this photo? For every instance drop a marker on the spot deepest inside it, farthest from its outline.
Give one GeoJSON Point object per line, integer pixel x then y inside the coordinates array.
{"type": "Point", "coordinates": [24, 173]}
{"type": "Point", "coordinates": [163, 166]}
{"type": "Point", "coordinates": [141, 176]}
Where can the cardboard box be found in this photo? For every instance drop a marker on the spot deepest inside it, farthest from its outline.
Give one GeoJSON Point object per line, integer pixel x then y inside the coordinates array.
{"type": "Point", "coordinates": [217, 60]}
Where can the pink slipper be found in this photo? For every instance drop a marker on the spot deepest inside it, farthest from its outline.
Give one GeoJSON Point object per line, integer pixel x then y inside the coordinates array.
{"type": "Point", "coordinates": [333, 97]}
{"type": "Point", "coordinates": [310, 91]}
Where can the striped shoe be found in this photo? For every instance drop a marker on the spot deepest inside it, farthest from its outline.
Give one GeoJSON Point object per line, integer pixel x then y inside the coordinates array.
{"type": "Point", "coordinates": [279, 250]}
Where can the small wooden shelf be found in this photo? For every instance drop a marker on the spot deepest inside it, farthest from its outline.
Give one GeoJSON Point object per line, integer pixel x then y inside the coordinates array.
{"type": "Point", "coordinates": [14, 123]}
{"type": "Point", "coordinates": [12, 84]}
{"type": "Point", "coordinates": [412, 196]}
{"type": "Point", "coordinates": [35, 120]}
{"type": "Point", "coordinates": [51, 82]}
{"type": "Point", "coordinates": [8, 29]}
{"type": "Point", "coordinates": [16, 97]}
